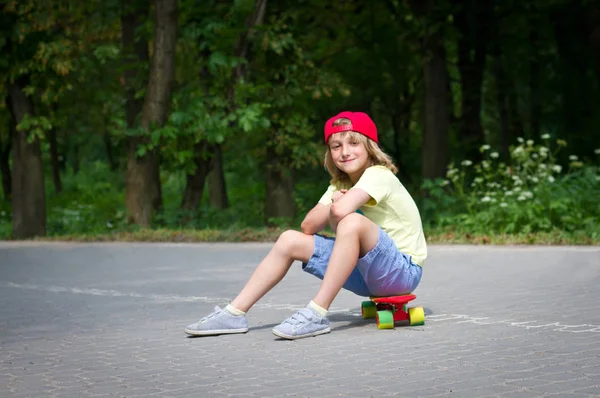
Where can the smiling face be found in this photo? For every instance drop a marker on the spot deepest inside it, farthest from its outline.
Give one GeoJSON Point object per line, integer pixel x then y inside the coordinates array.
{"type": "Point", "coordinates": [349, 154]}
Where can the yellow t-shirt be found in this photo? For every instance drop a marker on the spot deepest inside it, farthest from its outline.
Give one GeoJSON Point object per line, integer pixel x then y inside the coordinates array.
{"type": "Point", "coordinates": [392, 208]}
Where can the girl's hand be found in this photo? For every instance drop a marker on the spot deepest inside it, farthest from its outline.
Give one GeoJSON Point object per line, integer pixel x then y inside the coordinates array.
{"type": "Point", "coordinates": [338, 194]}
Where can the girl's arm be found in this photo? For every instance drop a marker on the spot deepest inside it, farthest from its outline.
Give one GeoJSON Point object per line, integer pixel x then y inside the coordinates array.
{"type": "Point", "coordinates": [316, 219]}
{"type": "Point", "coordinates": [346, 204]}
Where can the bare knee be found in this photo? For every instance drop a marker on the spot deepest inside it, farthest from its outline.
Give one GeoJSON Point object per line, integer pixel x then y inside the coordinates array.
{"type": "Point", "coordinates": [357, 227]}
{"type": "Point", "coordinates": [295, 245]}
{"type": "Point", "coordinates": [351, 224]}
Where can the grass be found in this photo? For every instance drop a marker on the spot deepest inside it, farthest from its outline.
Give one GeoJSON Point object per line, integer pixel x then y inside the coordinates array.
{"type": "Point", "coordinates": [271, 234]}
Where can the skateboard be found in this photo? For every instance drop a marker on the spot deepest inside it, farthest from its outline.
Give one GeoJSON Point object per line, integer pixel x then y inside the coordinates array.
{"type": "Point", "coordinates": [391, 309]}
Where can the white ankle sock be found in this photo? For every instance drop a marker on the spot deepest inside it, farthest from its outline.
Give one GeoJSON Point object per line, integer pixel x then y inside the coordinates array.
{"type": "Point", "coordinates": [234, 311]}
{"type": "Point", "coordinates": [320, 310]}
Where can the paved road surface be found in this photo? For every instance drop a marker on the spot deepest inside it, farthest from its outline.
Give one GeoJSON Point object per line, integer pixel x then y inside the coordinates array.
{"type": "Point", "coordinates": [79, 320]}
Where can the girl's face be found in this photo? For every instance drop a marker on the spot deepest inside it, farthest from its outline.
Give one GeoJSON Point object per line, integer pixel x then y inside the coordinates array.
{"type": "Point", "coordinates": [349, 155]}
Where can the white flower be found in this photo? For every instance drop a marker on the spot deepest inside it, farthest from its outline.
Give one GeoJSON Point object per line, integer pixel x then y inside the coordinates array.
{"type": "Point", "coordinates": [518, 150]}
{"type": "Point", "coordinates": [109, 225]}
{"type": "Point", "coordinates": [542, 166]}
{"type": "Point", "coordinates": [557, 168]}
{"type": "Point", "coordinates": [527, 194]}
{"type": "Point", "coordinates": [534, 179]}
{"type": "Point", "coordinates": [521, 198]}
{"type": "Point", "coordinates": [573, 158]}
{"type": "Point", "coordinates": [466, 163]}
{"type": "Point", "coordinates": [520, 140]}
{"type": "Point", "coordinates": [543, 149]}
{"type": "Point", "coordinates": [534, 155]}
{"type": "Point", "coordinates": [451, 172]}
{"type": "Point", "coordinates": [546, 136]}
{"type": "Point", "coordinates": [503, 204]}
{"type": "Point", "coordinates": [529, 142]}
{"type": "Point", "coordinates": [486, 199]}
{"type": "Point", "coordinates": [550, 179]}
{"type": "Point", "coordinates": [444, 183]}
{"type": "Point", "coordinates": [508, 193]}
{"type": "Point", "coordinates": [494, 155]}
{"type": "Point", "coordinates": [485, 164]}
{"type": "Point", "coordinates": [478, 180]}
{"type": "Point", "coordinates": [597, 151]}
{"type": "Point", "coordinates": [485, 147]}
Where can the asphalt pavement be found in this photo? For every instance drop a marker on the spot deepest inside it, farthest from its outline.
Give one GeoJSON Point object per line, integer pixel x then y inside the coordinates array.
{"type": "Point", "coordinates": [107, 320]}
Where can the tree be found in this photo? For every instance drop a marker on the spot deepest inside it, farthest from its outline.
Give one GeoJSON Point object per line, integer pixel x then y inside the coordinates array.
{"type": "Point", "coordinates": [436, 96]}
{"type": "Point", "coordinates": [143, 190]}
{"type": "Point", "coordinates": [28, 192]}
{"type": "Point", "coordinates": [5, 145]}
{"type": "Point", "coordinates": [472, 22]}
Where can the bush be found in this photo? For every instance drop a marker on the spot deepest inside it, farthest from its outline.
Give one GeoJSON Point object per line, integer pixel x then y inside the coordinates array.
{"type": "Point", "coordinates": [530, 193]}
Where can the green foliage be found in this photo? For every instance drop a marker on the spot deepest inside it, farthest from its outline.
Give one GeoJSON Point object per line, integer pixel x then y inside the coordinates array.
{"type": "Point", "coordinates": [529, 194]}
{"type": "Point", "coordinates": [307, 61]}
{"type": "Point", "coordinates": [37, 126]}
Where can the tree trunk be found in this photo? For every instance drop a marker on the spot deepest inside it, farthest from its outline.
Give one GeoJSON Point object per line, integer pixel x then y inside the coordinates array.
{"type": "Point", "coordinates": [28, 191]}
{"type": "Point", "coordinates": [472, 21]}
{"type": "Point", "coordinates": [108, 146]}
{"type": "Point", "coordinates": [5, 146]}
{"type": "Point", "coordinates": [400, 115]}
{"type": "Point", "coordinates": [75, 161]}
{"type": "Point", "coordinates": [534, 83]}
{"type": "Point", "coordinates": [194, 189]}
{"type": "Point", "coordinates": [516, 128]}
{"type": "Point", "coordinates": [143, 191]}
{"type": "Point", "coordinates": [279, 200]}
{"type": "Point", "coordinates": [135, 55]}
{"type": "Point", "coordinates": [54, 161]}
{"type": "Point", "coordinates": [217, 189]}
{"type": "Point", "coordinates": [504, 134]}
{"type": "Point", "coordinates": [595, 43]}
{"type": "Point", "coordinates": [195, 182]}
{"type": "Point", "coordinates": [436, 113]}
{"type": "Point", "coordinates": [435, 131]}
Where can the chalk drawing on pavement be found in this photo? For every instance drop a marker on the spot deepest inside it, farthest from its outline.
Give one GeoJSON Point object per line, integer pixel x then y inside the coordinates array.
{"type": "Point", "coordinates": [528, 325]}
{"type": "Point", "coordinates": [454, 318]}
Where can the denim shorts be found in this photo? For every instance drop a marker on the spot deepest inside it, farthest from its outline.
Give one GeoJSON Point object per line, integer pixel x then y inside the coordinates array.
{"type": "Point", "coordinates": [384, 271]}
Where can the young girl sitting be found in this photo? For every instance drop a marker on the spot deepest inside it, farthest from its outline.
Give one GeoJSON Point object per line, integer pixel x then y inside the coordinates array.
{"type": "Point", "coordinates": [377, 253]}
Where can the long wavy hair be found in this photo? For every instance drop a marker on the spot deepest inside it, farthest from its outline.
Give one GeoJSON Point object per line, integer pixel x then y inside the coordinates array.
{"type": "Point", "coordinates": [376, 156]}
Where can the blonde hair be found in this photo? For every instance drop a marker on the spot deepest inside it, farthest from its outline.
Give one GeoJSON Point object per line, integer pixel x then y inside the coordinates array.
{"type": "Point", "coordinates": [376, 156]}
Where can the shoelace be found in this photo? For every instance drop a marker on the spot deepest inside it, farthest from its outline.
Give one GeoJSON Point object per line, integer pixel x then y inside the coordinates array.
{"type": "Point", "coordinates": [211, 315]}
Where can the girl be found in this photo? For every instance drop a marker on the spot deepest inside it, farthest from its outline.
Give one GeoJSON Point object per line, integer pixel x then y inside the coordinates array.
{"type": "Point", "coordinates": [377, 253]}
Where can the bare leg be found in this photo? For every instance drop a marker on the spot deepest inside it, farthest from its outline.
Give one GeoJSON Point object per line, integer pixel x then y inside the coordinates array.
{"type": "Point", "coordinates": [356, 235]}
{"type": "Point", "coordinates": [291, 246]}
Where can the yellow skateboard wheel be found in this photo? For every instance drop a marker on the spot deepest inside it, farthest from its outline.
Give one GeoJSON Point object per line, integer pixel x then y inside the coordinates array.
{"type": "Point", "coordinates": [369, 309]}
{"type": "Point", "coordinates": [416, 316]}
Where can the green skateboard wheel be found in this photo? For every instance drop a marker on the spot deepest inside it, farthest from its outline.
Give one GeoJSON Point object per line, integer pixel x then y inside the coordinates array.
{"type": "Point", "coordinates": [385, 320]}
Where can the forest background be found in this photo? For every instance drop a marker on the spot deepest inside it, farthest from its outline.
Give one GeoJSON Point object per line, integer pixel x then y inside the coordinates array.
{"type": "Point", "coordinates": [190, 121]}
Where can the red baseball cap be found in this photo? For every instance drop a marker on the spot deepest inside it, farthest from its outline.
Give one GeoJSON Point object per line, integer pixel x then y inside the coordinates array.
{"type": "Point", "coordinates": [359, 122]}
